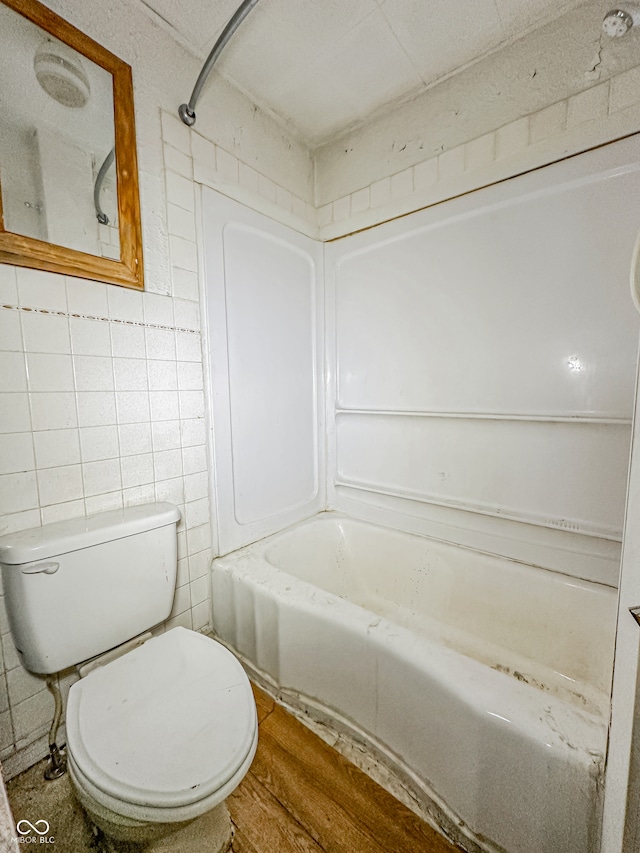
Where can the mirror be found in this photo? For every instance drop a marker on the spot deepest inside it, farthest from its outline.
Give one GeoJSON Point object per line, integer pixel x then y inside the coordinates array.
{"type": "Point", "coordinates": [68, 173]}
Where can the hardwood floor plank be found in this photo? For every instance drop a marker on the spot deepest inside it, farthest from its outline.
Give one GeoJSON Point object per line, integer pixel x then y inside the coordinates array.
{"type": "Point", "coordinates": [263, 824]}
{"type": "Point", "coordinates": [264, 703]}
{"type": "Point", "coordinates": [365, 805]}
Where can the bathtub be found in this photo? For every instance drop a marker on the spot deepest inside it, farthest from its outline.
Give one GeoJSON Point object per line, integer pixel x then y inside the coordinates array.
{"type": "Point", "coordinates": [484, 683]}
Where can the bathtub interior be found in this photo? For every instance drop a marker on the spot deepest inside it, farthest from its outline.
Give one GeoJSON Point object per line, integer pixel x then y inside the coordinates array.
{"type": "Point", "coordinates": [543, 628]}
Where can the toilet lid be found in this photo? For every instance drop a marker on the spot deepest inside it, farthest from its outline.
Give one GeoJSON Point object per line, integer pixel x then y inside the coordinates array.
{"type": "Point", "coordinates": [165, 725]}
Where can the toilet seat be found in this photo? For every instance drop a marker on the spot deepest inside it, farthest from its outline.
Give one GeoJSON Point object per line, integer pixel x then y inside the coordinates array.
{"type": "Point", "coordinates": [165, 730]}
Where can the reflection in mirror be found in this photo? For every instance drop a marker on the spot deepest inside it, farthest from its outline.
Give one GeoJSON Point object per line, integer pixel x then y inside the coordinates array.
{"type": "Point", "coordinates": [57, 131]}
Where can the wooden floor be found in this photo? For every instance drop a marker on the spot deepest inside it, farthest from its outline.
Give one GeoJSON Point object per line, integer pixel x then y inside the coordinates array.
{"type": "Point", "coordinates": [301, 796]}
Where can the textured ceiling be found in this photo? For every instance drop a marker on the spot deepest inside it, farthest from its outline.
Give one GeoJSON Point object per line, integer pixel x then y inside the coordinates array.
{"type": "Point", "coordinates": [324, 66]}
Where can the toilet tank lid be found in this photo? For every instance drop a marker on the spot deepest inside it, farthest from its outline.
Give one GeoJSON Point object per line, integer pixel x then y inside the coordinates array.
{"type": "Point", "coordinates": [62, 537]}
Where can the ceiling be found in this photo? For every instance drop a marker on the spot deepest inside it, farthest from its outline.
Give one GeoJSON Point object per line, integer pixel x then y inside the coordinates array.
{"type": "Point", "coordinates": [325, 66]}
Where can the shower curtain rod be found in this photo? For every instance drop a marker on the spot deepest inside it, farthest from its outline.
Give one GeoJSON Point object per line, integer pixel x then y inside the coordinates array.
{"type": "Point", "coordinates": [187, 111]}
{"type": "Point", "coordinates": [101, 216]}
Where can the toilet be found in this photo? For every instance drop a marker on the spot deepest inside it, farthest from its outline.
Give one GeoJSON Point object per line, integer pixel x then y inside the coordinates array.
{"type": "Point", "coordinates": [159, 730]}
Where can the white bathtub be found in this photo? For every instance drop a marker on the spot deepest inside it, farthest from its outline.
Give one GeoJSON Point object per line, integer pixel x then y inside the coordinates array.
{"type": "Point", "coordinates": [483, 680]}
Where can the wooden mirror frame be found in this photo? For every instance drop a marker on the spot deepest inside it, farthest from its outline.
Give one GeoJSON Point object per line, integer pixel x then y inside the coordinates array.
{"type": "Point", "coordinates": [27, 251]}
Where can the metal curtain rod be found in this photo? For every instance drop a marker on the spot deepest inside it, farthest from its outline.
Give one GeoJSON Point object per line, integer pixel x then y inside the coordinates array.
{"type": "Point", "coordinates": [101, 216]}
{"type": "Point", "coordinates": [187, 111]}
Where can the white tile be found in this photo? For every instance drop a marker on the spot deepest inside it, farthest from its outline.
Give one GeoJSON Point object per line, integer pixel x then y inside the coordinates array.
{"type": "Point", "coordinates": [137, 470]}
{"type": "Point", "coordinates": [132, 406]}
{"type": "Point", "coordinates": [380, 193]}
{"type": "Point", "coordinates": [198, 563]}
{"type": "Point", "coordinates": [137, 495]}
{"type": "Point", "coordinates": [56, 410]}
{"type": "Point", "coordinates": [10, 330]}
{"type": "Point", "coordinates": [96, 408]}
{"type": "Point", "coordinates": [14, 413]}
{"type": "Point", "coordinates": [49, 372]}
{"type": "Point", "coordinates": [12, 521]}
{"type": "Point", "coordinates": [101, 477]}
{"type": "Point", "coordinates": [180, 191]}
{"type": "Point", "coordinates": [181, 601]}
{"type": "Point", "coordinates": [248, 178]}
{"type": "Point", "coordinates": [342, 208]}
{"type": "Point", "coordinates": [197, 513]}
{"type": "Point", "coordinates": [100, 442]}
{"type": "Point", "coordinates": [22, 684]}
{"type": "Point", "coordinates": [451, 163]}
{"type": "Point", "coordinates": [8, 285]}
{"type": "Point", "coordinates": [267, 188]}
{"type": "Point", "coordinates": [193, 431]}
{"type": "Point", "coordinates": [203, 151]}
{"type": "Point", "coordinates": [163, 375]}
{"type": "Point", "coordinates": [548, 122]}
{"type": "Point", "coordinates": [512, 139]}
{"type": "Point", "coordinates": [402, 184]}
{"type": "Point", "coordinates": [127, 341]}
{"type": "Point", "coordinates": [183, 620]}
{"type": "Point", "coordinates": [182, 576]}
{"type": "Point", "coordinates": [33, 715]}
{"type": "Point", "coordinates": [63, 511]}
{"type": "Point", "coordinates": [201, 616]}
{"type": "Point", "coordinates": [284, 199]}
{"type": "Point", "coordinates": [361, 200]}
{"type": "Point", "coordinates": [171, 491]}
{"type": "Point", "coordinates": [196, 486]}
{"type": "Point", "coordinates": [93, 372]}
{"type": "Point", "coordinates": [324, 215]}
{"type": "Point", "coordinates": [226, 166]}
{"type": "Point", "coordinates": [183, 253]}
{"type": "Point", "coordinates": [166, 435]}
{"type": "Point", "coordinates": [104, 503]}
{"type": "Point", "coordinates": [39, 289]}
{"type": "Point", "coordinates": [480, 152]}
{"type": "Point", "coordinates": [181, 223]}
{"type": "Point", "coordinates": [160, 344]}
{"type": "Point", "coordinates": [188, 347]}
{"type": "Point", "coordinates": [124, 304]}
{"type": "Point", "coordinates": [182, 542]}
{"type": "Point", "coordinates": [58, 447]}
{"type": "Point", "coordinates": [167, 464]}
{"type": "Point", "coordinates": [199, 590]}
{"type": "Point", "coordinates": [588, 106]}
{"type": "Point", "coordinates": [425, 174]}
{"type": "Point", "coordinates": [130, 374]}
{"type": "Point", "coordinates": [45, 332]}
{"type": "Point", "coordinates": [187, 314]}
{"type": "Point", "coordinates": [191, 404]}
{"type": "Point", "coordinates": [164, 405]}
{"type": "Point", "coordinates": [175, 132]}
{"type": "Point", "coordinates": [134, 438]}
{"type": "Point", "coordinates": [16, 453]}
{"type": "Point", "coordinates": [57, 485]}
{"type": "Point", "coordinates": [13, 376]}
{"type": "Point", "coordinates": [176, 161]}
{"type": "Point", "coordinates": [90, 337]}
{"type": "Point", "coordinates": [87, 297]}
{"type": "Point", "coordinates": [9, 652]}
{"type": "Point", "coordinates": [625, 90]}
{"type": "Point", "coordinates": [194, 459]}
{"type": "Point", "coordinates": [190, 376]}
{"type": "Point", "coordinates": [185, 284]}
{"type": "Point", "coordinates": [158, 310]}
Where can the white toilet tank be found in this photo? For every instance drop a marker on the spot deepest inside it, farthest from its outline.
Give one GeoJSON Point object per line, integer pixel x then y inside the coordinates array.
{"type": "Point", "coordinates": [76, 588]}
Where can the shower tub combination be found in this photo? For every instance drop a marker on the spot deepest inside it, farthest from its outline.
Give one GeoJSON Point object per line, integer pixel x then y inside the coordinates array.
{"type": "Point", "coordinates": [483, 683]}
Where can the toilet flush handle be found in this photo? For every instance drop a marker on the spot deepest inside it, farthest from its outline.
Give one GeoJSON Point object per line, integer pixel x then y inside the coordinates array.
{"type": "Point", "coordinates": [38, 568]}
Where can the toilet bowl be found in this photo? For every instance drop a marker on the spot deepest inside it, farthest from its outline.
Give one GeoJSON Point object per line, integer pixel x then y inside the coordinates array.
{"type": "Point", "coordinates": [160, 737]}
